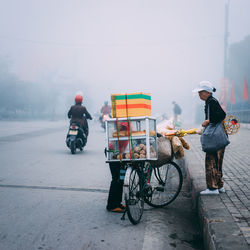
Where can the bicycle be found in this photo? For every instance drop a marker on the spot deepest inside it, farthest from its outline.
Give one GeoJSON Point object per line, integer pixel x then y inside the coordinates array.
{"type": "Point", "coordinates": [157, 186]}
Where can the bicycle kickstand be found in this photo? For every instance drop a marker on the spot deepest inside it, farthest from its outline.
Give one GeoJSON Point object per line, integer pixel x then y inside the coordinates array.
{"type": "Point", "coordinates": [124, 213]}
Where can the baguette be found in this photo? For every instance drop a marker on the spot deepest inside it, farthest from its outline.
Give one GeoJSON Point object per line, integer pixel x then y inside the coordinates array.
{"type": "Point", "coordinates": [176, 144]}
{"type": "Point", "coordinates": [184, 143]}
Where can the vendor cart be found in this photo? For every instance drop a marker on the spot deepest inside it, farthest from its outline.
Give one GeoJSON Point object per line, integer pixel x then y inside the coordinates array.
{"type": "Point", "coordinates": [140, 136]}
{"type": "Point", "coordinates": [133, 142]}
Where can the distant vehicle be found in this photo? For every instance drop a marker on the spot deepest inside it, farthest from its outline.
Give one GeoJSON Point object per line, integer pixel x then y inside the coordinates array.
{"type": "Point", "coordinates": [76, 138]}
{"type": "Point", "coordinates": [104, 117]}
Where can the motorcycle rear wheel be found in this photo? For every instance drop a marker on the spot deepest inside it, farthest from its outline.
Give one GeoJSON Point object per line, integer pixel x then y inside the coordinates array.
{"type": "Point", "coordinates": [73, 147]}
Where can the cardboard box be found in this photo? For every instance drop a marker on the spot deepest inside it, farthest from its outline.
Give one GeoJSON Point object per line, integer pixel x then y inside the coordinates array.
{"type": "Point", "coordinates": [131, 105]}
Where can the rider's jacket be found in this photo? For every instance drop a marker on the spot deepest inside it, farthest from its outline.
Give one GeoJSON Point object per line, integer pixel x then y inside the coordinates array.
{"type": "Point", "coordinates": [79, 114]}
{"type": "Point", "coordinates": [106, 109]}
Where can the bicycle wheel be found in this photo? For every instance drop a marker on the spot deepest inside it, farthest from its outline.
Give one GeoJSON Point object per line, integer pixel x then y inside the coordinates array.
{"type": "Point", "coordinates": [166, 182]}
{"type": "Point", "coordinates": [133, 199]}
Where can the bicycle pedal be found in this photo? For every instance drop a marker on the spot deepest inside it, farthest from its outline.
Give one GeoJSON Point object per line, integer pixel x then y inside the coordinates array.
{"type": "Point", "coordinates": [132, 202]}
{"type": "Point", "coordinates": [123, 217]}
{"type": "Point", "coordinates": [160, 189]}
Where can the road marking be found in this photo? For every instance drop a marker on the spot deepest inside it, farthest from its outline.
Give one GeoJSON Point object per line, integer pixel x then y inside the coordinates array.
{"type": "Point", "coordinates": [94, 190]}
{"type": "Point", "coordinates": [27, 135]}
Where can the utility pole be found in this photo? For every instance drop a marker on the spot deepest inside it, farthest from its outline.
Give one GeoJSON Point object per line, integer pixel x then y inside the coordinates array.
{"type": "Point", "coordinates": [224, 82]}
{"type": "Point", "coordinates": [226, 35]}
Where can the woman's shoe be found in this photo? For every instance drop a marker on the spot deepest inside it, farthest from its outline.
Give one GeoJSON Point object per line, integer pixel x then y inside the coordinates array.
{"type": "Point", "coordinates": [210, 192]}
{"type": "Point", "coordinates": [222, 190]}
{"type": "Point", "coordinates": [116, 210]}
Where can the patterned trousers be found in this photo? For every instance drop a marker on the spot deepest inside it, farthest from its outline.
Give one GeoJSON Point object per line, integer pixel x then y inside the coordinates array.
{"type": "Point", "coordinates": [213, 164]}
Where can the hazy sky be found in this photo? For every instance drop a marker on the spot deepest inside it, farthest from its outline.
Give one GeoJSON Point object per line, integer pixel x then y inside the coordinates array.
{"type": "Point", "coordinates": [162, 47]}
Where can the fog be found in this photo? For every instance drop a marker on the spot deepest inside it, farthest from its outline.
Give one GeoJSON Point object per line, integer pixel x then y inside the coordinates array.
{"type": "Point", "coordinates": [101, 47]}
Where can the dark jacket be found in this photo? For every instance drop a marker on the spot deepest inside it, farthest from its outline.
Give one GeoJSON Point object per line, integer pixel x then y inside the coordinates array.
{"type": "Point", "coordinates": [177, 109]}
{"type": "Point", "coordinates": [106, 109]}
{"type": "Point", "coordinates": [216, 113]}
{"type": "Point", "coordinates": [79, 114]}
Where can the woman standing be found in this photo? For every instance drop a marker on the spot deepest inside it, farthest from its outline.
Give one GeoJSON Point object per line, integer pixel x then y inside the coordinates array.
{"type": "Point", "coordinates": [213, 161]}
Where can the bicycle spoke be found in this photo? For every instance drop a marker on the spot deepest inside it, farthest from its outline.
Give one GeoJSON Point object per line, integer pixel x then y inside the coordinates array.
{"type": "Point", "coordinates": [133, 201]}
{"type": "Point", "coordinates": [166, 182]}
{"type": "Point", "coordinates": [133, 183]}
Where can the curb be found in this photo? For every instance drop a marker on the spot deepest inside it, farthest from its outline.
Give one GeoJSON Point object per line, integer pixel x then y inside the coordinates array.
{"type": "Point", "coordinates": [245, 125]}
{"type": "Point", "coordinates": [218, 226]}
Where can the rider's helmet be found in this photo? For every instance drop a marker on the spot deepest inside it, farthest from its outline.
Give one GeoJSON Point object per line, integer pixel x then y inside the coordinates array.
{"type": "Point", "coordinates": [78, 98]}
{"type": "Point", "coordinates": [106, 103]}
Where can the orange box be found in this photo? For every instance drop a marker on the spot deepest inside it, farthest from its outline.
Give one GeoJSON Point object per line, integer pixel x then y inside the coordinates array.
{"type": "Point", "coordinates": [131, 105]}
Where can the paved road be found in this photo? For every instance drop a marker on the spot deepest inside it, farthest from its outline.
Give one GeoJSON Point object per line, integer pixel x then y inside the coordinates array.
{"type": "Point", "coordinates": [51, 199]}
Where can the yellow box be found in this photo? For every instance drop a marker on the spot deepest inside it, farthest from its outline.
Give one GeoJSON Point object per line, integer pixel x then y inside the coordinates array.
{"type": "Point", "coordinates": [133, 104]}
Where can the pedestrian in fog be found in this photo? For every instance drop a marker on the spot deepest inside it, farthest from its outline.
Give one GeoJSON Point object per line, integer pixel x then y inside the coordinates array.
{"type": "Point", "coordinates": [213, 161]}
{"type": "Point", "coordinates": [177, 112]}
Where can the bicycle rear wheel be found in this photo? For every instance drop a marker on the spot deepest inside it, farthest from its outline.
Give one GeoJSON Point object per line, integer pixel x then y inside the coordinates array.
{"type": "Point", "coordinates": [133, 199]}
{"type": "Point", "coordinates": [166, 182]}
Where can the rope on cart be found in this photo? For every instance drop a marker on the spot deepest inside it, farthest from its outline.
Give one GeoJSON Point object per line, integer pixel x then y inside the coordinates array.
{"type": "Point", "coordinates": [119, 147]}
{"type": "Point", "coordinates": [113, 105]}
{"type": "Point", "coordinates": [129, 129]}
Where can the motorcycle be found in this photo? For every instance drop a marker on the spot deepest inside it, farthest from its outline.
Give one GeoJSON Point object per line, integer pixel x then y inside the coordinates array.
{"type": "Point", "coordinates": [76, 138]}
{"type": "Point", "coordinates": [104, 117]}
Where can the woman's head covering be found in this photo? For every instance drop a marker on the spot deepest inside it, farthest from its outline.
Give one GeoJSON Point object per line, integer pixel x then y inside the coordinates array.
{"type": "Point", "coordinates": [204, 86]}
{"type": "Point", "coordinates": [124, 125]}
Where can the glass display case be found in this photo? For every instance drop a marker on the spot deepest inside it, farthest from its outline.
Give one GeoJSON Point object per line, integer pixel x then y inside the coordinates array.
{"type": "Point", "coordinates": [132, 139]}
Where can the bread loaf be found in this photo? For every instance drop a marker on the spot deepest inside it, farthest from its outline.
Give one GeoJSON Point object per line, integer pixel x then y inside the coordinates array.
{"type": "Point", "coordinates": [176, 144]}
{"type": "Point", "coordinates": [142, 156]}
{"type": "Point", "coordinates": [137, 156]}
{"type": "Point", "coordinates": [184, 143]}
{"type": "Point", "coordinates": [180, 153]}
{"type": "Point", "coordinates": [137, 150]}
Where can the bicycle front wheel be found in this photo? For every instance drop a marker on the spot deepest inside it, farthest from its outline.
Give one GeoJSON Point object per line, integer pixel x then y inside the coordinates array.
{"type": "Point", "coordinates": [166, 182]}
{"type": "Point", "coordinates": [133, 199]}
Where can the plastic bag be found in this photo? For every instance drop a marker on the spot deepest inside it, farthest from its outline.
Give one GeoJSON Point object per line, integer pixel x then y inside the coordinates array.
{"type": "Point", "coordinates": [165, 154]}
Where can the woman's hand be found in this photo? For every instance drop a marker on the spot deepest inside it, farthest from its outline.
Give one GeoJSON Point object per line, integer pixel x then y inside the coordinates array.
{"type": "Point", "coordinates": [199, 131]}
{"type": "Point", "coordinates": [205, 123]}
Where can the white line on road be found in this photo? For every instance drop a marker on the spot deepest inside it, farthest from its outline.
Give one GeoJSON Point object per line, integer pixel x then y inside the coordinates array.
{"type": "Point", "coordinates": [56, 188]}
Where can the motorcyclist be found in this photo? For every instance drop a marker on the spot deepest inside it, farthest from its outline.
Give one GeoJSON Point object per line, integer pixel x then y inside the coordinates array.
{"type": "Point", "coordinates": [106, 109]}
{"type": "Point", "coordinates": [79, 114]}
{"type": "Point", "coordinates": [105, 113]}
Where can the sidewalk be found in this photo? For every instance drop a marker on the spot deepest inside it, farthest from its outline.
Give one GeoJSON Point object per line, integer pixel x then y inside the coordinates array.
{"type": "Point", "coordinates": [225, 218]}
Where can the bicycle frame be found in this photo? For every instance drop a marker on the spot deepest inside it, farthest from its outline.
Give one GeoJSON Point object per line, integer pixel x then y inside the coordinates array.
{"type": "Point", "coordinates": [144, 175]}
{"type": "Point", "coordinates": [141, 185]}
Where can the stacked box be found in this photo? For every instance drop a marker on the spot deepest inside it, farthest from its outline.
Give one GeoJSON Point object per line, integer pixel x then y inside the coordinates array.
{"type": "Point", "coordinates": [131, 105]}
